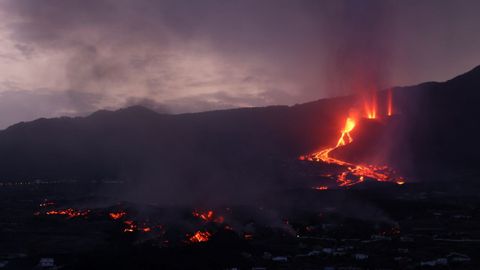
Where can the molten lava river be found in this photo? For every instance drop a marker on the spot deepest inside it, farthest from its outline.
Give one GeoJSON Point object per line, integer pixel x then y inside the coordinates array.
{"type": "Point", "coordinates": [353, 174]}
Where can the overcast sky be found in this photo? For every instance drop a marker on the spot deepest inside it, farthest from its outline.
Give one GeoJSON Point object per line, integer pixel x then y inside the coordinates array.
{"type": "Point", "coordinates": [70, 57]}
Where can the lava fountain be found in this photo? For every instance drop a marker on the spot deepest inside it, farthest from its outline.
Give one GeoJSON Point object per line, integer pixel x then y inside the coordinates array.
{"type": "Point", "coordinates": [356, 173]}
{"type": "Point", "coordinates": [389, 103]}
{"type": "Point", "coordinates": [370, 106]}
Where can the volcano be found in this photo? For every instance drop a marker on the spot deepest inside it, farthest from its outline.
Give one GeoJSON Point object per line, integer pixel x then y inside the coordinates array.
{"type": "Point", "coordinates": [234, 150]}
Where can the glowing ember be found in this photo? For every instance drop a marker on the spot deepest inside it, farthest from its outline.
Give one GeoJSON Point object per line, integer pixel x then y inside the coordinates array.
{"type": "Point", "coordinates": [200, 236]}
{"type": "Point", "coordinates": [208, 216]}
{"type": "Point", "coordinates": [321, 188]}
{"type": "Point", "coordinates": [145, 229]}
{"type": "Point", "coordinates": [46, 203]}
{"type": "Point", "coordinates": [248, 236]}
{"type": "Point", "coordinates": [130, 226]}
{"type": "Point", "coordinates": [116, 215]}
{"type": "Point", "coordinates": [69, 212]}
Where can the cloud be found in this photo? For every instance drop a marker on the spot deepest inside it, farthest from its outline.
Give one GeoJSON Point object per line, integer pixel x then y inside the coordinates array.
{"type": "Point", "coordinates": [200, 55]}
{"type": "Point", "coordinates": [28, 105]}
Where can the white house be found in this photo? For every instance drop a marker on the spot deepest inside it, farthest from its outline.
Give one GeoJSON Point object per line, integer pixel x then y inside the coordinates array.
{"type": "Point", "coordinates": [46, 262]}
{"type": "Point", "coordinates": [360, 256]}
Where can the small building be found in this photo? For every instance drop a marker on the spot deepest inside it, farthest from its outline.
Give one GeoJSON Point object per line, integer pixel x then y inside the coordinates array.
{"type": "Point", "coordinates": [327, 250]}
{"type": "Point", "coordinates": [360, 256]}
{"type": "Point", "coordinates": [379, 237]}
{"type": "Point", "coordinates": [406, 239]}
{"type": "Point", "coordinates": [280, 259]}
{"type": "Point", "coordinates": [46, 262]}
{"type": "Point", "coordinates": [3, 264]}
{"type": "Point", "coordinates": [435, 262]}
{"type": "Point", "coordinates": [349, 268]}
{"type": "Point", "coordinates": [267, 255]}
{"type": "Point", "coordinates": [313, 253]}
{"type": "Point", "coordinates": [458, 257]}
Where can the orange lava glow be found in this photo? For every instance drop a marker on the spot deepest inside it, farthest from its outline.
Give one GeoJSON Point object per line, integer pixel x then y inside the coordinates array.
{"type": "Point", "coordinates": [208, 216]}
{"type": "Point", "coordinates": [200, 236]}
{"type": "Point", "coordinates": [389, 103]}
{"type": "Point", "coordinates": [353, 173]}
{"type": "Point", "coordinates": [69, 212]}
{"type": "Point", "coordinates": [130, 226]}
{"type": "Point", "coordinates": [370, 106]}
{"type": "Point", "coordinates": [345, 138]}
{"type": "Point", "coordinates": [145, 229]}
{"type": "Point", "coordinates": [46, 204]}
{"type": "Point", "coordinates": [248, 236]}
{"type": "Point", "coordinates": [117, 215]}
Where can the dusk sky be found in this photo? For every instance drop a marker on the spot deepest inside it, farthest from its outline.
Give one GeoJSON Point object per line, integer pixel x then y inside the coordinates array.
{"type": "Point", "coordinates": [71, 57]}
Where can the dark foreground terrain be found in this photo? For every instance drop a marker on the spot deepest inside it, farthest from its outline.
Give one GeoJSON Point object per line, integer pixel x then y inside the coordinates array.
{"type": "Point", "coordinates": [135, 189]}
{"type": "Point", "coordinates": [369, 226]}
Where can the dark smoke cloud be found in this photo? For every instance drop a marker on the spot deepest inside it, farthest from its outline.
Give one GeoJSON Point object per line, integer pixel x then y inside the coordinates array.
{"type": "Point", "coordinates": [361, 46]}
{"type": "Point", "coordinates": [211, 54]}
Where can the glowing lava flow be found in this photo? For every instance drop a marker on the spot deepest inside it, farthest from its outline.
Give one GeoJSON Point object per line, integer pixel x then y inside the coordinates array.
{"type": "Point", "coordinates": [200, 236]}
{"type": "Point", "coordinates": [69, 213]}
{"type": "Point", "coordinates": [208, 216]}
{"type": "Point", "coordinates": [116, 215]}
{"type": "Point", "coordinates": [354, 173]}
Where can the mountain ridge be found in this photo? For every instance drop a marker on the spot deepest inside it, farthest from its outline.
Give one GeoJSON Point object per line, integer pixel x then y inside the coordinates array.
{"type": "Point", "coordinates": [140, 109]}
{"type": "Point", "coordinates": [235, 143]}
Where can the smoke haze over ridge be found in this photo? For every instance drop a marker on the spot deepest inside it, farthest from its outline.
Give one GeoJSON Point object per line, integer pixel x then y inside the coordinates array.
{"type": "Point", "coordinates": [68, 58]}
